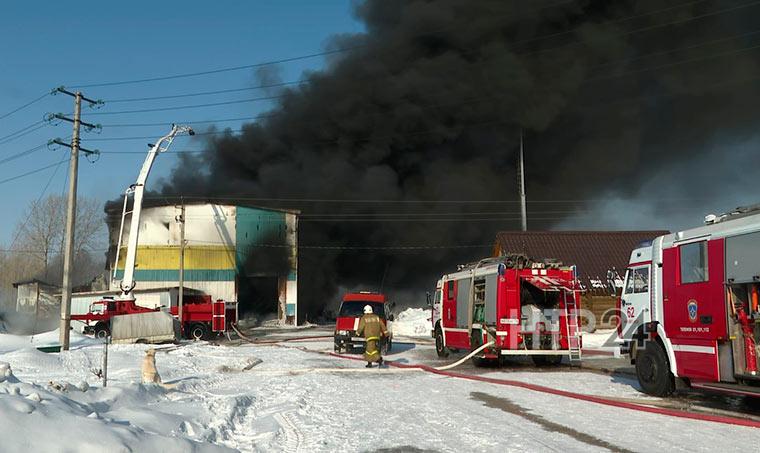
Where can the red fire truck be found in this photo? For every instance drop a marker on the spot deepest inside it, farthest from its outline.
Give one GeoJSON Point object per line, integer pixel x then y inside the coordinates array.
{"type": "Point", "coordinates": [201, 317]}
{"type": "Point", "coordinates": [690, 307]}
{"type": "Point", "coordinates": [526, 307]}
{"type": "Point", "coordinates": [347, 322]}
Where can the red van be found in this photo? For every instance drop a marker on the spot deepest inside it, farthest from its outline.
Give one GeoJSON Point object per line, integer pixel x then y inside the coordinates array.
{"type": "Point", "coordinates": [351, 309]}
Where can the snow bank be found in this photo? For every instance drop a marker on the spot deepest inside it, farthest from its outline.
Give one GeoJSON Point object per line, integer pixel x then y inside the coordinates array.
{"type": "Point", "coordinates": [35, 418]}
{"type": "Point", "coordinates": [412, 322]}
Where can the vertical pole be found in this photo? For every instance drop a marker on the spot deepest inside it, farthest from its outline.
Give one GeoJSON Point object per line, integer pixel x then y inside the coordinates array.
{"type": "Point", "coordinates": [521, 183]}
{"type": "Point", "coordinates": [68, 247]}
{"type": "Point", "coordinates": [181, 295]}
{"type": "Point", "coordinates": [105, 360]}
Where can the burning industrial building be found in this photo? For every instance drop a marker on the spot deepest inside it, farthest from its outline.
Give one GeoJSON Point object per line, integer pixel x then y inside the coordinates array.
{"type": "Point", "coordinates": [400, 153]}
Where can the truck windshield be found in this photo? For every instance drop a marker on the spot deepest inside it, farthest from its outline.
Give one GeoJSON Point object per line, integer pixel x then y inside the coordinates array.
{"type": "Point", "coordinates": [355, 308]}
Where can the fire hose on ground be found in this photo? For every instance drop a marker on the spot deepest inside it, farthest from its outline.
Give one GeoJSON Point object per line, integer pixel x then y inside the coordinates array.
{"type": "Point", "coordinates": [463, 359]}
{"type": "Point", "coordinates": [274, 342]}
{"type": "Point", "coordinates": [619, 403]}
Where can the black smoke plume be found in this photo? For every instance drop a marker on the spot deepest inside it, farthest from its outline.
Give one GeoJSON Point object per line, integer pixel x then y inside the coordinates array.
{"type": "Point", "coordinates": [428, 105]}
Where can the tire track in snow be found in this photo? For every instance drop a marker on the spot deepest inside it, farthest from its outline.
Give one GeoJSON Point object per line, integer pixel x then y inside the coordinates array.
{"type": "Point", "coordinates": [294, 437]}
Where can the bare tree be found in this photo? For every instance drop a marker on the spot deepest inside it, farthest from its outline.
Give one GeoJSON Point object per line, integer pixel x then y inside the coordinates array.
{"type": "Point", "coordinates": [38, 249]}
{"type": "Point", "coordinates": [39, 236]}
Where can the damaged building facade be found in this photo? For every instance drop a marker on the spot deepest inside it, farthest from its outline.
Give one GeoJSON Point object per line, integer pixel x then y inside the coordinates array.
{"type": "Point", "coordinates": [235, 253]}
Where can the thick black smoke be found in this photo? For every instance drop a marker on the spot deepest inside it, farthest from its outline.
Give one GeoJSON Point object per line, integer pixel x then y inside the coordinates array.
{"type": "Point", "coordinates": [429, 104]}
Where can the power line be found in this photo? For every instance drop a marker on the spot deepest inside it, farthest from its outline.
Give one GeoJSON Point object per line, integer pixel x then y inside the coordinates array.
{"type": "Point", "coordinates": [21, 154]}
{"type": "Point", "coordinates": [680, 49]}
{"type": "Point", "coordinates": [203, 93]}
{"type": "Point", "coordinates": [190, 198]}
{"type": "Point", "coordinates": [155, 137]}
{"type": "Point", "coordinates": [180, 152]}
{"type": "Point", "coordinates": [484, 99]}
{"type": "Point", "coordinates": [651, 27]}
{"type": "Point", "coordinates": [346, 49]}
{"type": "Point", "coordinates": [475, 100]}
{"type": "Point", "coordinates": [614, 21]}
{"type": "Point", "coordinates": [677, 63]}
{"type": "Point", "coordinates": [29, 173]}
{"type": "Point", "coordinates": [42, 194]}
{"type": "Point", "coordinates": [217, 71]}
{"type": "Point", "coordinates": [223, 120]}
{"type": "Point", "coordinates": [18, 109]}
{"type": "Point", "coordinates": [183, 107]}
{"type": "Point", "coordinates": [284, 60]}
{"type": "Point", "coordinates": [21, 130]}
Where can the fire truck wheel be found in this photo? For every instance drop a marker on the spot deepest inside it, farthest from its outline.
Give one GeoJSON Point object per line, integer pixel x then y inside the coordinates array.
{"type": "Point", "coordinates": [546, 360]}
{"type": "Point", "coordinates": [440, 348]}
{"type": "Point", "coordinates": [198, 332]}
{"type": "Point", "coordinates": [653, 371]}
{"type": "Point", "coordinates": [101, 331]}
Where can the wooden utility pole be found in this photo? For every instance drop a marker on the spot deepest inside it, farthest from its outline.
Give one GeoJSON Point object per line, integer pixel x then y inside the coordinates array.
{"type": "Point", "coordinates": [181, 295]}
{"type": "Point", "coordinates": [71, 209]}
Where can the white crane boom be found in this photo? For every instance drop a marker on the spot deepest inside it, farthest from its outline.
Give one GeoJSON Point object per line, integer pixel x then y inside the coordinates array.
{"type": "Point", "coordinates": [138, 189]}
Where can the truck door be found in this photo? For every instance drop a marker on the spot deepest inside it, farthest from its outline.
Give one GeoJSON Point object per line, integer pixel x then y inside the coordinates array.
{"type": "Point", "coordinates": [449, 315]}
{"type": "Point", "coordinates": [635, 299]}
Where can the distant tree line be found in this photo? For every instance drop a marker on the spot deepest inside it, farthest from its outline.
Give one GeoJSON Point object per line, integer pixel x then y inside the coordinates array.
{"type": "Point", "coordinates": [37, 248]}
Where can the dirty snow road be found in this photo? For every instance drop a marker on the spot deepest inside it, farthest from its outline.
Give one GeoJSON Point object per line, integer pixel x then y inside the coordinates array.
{"type": "Point", "coordinates": [298, 400]}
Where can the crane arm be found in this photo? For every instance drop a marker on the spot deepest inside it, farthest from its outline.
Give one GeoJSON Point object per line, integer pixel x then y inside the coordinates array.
{"type": "Point", "coordinates": [137, 190]}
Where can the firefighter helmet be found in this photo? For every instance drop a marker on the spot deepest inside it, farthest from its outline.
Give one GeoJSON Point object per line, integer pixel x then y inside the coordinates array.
{"type": "Point", "coordinates": [367, 309]}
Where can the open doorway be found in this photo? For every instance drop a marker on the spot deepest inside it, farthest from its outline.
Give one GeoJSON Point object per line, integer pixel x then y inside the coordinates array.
{"type": "Point", "coordinates": [258, 296]}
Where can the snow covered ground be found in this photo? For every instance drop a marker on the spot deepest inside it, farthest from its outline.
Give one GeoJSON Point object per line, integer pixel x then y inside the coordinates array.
{"type": "Point", "coordinates": [299, 400]}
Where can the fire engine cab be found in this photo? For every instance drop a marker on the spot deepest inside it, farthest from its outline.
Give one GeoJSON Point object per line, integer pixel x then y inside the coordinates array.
{"type": "Point", "coordinates": [525, 307]}
{"type": "Point", "coordinates": [690, 307]}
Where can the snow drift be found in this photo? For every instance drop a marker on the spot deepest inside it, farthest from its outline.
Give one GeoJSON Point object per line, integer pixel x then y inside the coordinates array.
{"type": "Point", "coordinates": [412, 322]}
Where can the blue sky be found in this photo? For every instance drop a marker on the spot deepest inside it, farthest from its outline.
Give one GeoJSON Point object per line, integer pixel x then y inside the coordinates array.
{"type": "Point", "coordinates": [57, 43]}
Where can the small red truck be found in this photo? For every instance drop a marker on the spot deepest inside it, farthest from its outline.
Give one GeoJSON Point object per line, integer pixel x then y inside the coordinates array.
{"type": "Point", "coordinates": [525, 307]}
{"type": "Point", "coordinates": [201, 316]}
{"type": "Point", "coordinates": [347, 322]}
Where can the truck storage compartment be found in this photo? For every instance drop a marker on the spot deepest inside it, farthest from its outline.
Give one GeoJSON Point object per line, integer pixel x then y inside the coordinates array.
{"type": "Point", "coordinates": [743, 302]}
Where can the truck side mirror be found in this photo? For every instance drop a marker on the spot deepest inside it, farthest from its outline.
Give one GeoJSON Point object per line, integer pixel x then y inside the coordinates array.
{"type": "Point", "coordinates": [428, 299]}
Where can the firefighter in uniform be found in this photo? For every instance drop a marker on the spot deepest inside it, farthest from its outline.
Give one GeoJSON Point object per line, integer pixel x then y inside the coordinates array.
{"type": "Point", "coordinates": [373, 330]}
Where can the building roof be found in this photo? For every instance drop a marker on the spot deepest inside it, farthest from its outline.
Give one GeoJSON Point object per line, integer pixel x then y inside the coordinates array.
{"type": "Point", "coordinates": [32, 281]}
{"type": "Point", "coordinates": [593, 252]}
{"type": "Point", "coordinates": [114, 207]}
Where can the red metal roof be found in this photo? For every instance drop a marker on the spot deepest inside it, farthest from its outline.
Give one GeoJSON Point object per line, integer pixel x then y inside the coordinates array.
{"type": "Point", "coordinates": [592, 252]}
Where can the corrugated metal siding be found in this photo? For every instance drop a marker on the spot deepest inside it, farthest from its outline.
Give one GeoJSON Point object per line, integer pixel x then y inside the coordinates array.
{"type": "Point", "coordinates": [191, 275]}
{"type": "Point", "coordinates": [592, 252]}
{"type": "Point", "coordinates": [217, 290]}
{"type": "Point", "coordinates": [196, 257]}
{"type": "Point", "coordinates": [256, 229]}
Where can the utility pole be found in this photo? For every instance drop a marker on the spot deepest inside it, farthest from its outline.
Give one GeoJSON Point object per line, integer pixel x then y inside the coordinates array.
{"type": "Point", "coordinates": [71, 208]}
{"type": "Point", "coordinates": [181, 295]}
{"type": "Point", "coordinates": [521, 184]}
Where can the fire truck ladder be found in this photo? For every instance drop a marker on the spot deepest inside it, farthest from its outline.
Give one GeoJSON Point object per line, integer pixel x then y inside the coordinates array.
{"type": "Point", "coordinates": [571, 325]}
